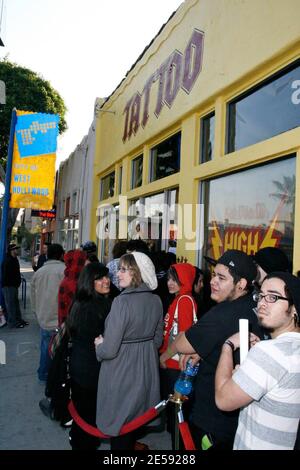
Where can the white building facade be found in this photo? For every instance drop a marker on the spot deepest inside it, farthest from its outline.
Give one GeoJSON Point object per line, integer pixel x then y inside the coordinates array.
{"type": "Point", "coordinates": [74, 192]}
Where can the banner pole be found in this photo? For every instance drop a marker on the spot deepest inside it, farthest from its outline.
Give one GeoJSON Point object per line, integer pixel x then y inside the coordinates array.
{"type": "Point", "coordinates": [6, 198]}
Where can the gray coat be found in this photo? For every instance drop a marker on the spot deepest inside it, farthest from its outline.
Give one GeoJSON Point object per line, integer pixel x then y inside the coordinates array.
{"type": "Point", "coordinates": [129, 375]}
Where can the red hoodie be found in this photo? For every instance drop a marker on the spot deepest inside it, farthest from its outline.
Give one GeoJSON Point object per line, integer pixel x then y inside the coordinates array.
{"type": "Point", "coordinates": [74, 260]}
{"type": "Point", "coordinates": [186, 274]}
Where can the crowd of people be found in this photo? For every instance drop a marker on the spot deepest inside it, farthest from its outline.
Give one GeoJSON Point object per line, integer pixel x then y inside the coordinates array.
{"type": "Point", "coordinates": [135, 323]}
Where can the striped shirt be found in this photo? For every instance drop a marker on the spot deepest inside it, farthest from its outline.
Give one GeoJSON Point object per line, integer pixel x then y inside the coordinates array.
{"type": "Point", "coordinates": [271, 376]}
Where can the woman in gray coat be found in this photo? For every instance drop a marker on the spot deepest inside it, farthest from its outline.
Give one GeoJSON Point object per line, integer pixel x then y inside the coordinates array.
{"type": "Point", "coordinates": [129, 376]}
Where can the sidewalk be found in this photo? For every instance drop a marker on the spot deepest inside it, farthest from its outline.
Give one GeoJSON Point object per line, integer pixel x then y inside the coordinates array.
{"type": "Point", "coordinates": [23, 426]}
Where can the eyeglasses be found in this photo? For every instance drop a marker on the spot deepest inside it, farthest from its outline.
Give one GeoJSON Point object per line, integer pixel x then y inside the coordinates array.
{"type": "Point", "coordinates": [123, 270]}
{"type": "Point", "coordinates": [269, 298]}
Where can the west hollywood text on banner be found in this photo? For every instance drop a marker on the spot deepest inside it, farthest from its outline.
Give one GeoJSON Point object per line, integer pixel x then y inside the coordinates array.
{"type": "Point", "coordinates": [33, 166]}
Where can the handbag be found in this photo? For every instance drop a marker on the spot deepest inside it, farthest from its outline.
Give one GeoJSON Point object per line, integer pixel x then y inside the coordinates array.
{"type": "Point", "coordinates": [174, 328]}
{"type": "Point", "coordinates": [58, 387]}
{"type": "Point", "coordinates": [56, 339]}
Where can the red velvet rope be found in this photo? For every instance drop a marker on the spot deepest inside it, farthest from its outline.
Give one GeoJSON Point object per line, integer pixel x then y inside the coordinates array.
{"type": "Point", "coordinates": [186, 436]}
{"type": "Point", "coordinates": [128, 427]}
{"type": "Point", "coordinates": [83, 424]}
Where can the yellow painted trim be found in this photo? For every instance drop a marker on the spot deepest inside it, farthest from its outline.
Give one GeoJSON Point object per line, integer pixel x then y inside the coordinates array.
{"type": "Point", "coordinates": [279, 146]}
{"type": "Point", "coordinates": [296, 256]}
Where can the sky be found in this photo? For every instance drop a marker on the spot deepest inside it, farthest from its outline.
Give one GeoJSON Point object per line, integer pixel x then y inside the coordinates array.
{"type": "Point", "coordinates": [83, 48]}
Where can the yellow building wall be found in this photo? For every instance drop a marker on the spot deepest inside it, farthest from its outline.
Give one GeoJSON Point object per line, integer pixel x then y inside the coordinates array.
{"type": "Point", "coordinates": [244, 42]}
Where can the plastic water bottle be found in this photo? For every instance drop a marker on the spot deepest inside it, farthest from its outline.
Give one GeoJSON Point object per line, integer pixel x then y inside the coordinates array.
{"type": "Point", "coordinates": [184, 383]}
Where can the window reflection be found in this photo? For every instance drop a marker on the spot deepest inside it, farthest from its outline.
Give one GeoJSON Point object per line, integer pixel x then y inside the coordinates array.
{"type": "Point", "coordinates": [137, 172]}
{"type": "Point", "coordinates": [265, 112]}
{"type": "Point", "coordinates": [165, 158]}
{"type": "Point", "coordinates": [207, 137]}
{"type": "Point", "coordinates": [251, 209]}
{"type": "Point", "coordinates": [107, 186]}
{"type": "Point", "coordinates": [154, 219]}
{"type": "Point", "coordinates": [120, 180]}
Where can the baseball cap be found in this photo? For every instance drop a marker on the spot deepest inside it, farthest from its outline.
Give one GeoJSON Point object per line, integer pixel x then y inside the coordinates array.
{"type": "Point", "coordinates": [210, 260]}
{"type": "Point", "coordinates": [293, 284]}
{"type": "Point", "coordinates": [272, 259]}
{"type": "Point", "coordinates": [89, 246]}
{"type": "Point", "coordinates": [12, 246]}
{"type": "Point", "coordinates": [239, 262]}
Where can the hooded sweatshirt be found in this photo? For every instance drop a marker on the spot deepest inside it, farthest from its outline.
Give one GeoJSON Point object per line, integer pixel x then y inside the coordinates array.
{"type": "Point", "coordinates": [186, 275]}
{"type": "Point", "coordinates": [74, 260]}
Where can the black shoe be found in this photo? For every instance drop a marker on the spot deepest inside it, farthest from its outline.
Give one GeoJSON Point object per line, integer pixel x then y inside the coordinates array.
{"type": "Point", "coordinates": [46, 408]}
{"type": "Point", "coordinates": [20, 325]}
{"type": "Point", "coordinates": [24, 322]}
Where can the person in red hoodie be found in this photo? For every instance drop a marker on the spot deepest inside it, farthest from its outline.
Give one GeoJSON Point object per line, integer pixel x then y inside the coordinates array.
{"type": "Point", "coordinates": [181, 315]}
{"type": "Point", "coordinates": [74, 261]}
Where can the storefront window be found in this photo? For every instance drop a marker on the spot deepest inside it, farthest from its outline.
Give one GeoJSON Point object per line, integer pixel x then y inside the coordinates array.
{"type": "Point", "coordinates": [137, 224]}
{"type": "Point", "coordinates": [154, 219]}
{"type": "Point", "coordinates": [68, 233]}
{"type": "Point", "coordinates": [251, 209]}
{"type": "Point", "coordinates": [136, 172]}
{"type": "Point", "coordinates": [108, 231]}
{"type": "Point", "coordinates": [266, 111]}
{"type": "Point", "coordinates": [165, 158]}
{"type": "Point", "coordinates": [107, 186]}
{"type": "Point", "coordinates": [67, 209]}
{"type": "Point", "coordinates": [74, 207]}
{"type": "Point", "coordinates": [207, 138]}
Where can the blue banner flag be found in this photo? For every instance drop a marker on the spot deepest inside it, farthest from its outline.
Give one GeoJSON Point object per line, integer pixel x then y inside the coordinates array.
{"type": "Point", "coordinates": [37, 134]}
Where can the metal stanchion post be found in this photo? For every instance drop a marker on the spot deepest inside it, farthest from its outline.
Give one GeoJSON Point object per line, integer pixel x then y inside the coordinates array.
{"type": "Point", "coordinates": [178, 399]}
{"type": "Point", "coordinates": [25, 294]}
{"type": "Point", "coordinates": [24, 289]}
{"type": "Point", "coordinates": [177, 407]}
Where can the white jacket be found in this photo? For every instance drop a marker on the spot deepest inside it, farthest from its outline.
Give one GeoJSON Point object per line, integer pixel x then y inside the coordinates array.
{"type": "Point", "coordinates": [44, 293]}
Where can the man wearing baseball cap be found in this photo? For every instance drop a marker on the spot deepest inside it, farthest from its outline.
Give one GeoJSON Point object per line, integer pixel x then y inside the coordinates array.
{"type": "Point", "coordinates": [11, 280]}
{"type": "Point", "coordinates": [231, 287]}
{"type": "Point", "coordinates": [268, 260]}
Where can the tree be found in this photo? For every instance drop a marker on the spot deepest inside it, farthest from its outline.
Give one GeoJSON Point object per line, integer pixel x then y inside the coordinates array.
{"type": "Point", "coordinates": [286, 191]}
{"type": "Point", "coordinates": [28, 91]}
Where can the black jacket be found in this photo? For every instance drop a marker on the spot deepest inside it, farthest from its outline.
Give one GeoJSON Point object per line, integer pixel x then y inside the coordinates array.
{"type": "Point", "coordinates": [86, 321]}
{"type": "Point", "coordinates": [11, 276]}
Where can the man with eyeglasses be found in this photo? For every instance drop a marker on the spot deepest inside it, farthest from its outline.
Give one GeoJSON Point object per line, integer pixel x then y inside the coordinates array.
{"type": "Point", "coordinates": [267, 384]}
{"type": "Point", "coordinates": [231, 288]}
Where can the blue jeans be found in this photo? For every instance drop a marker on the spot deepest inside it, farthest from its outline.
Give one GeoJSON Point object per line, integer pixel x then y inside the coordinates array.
{"type": "Point", "coordinates": [45, 360]}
